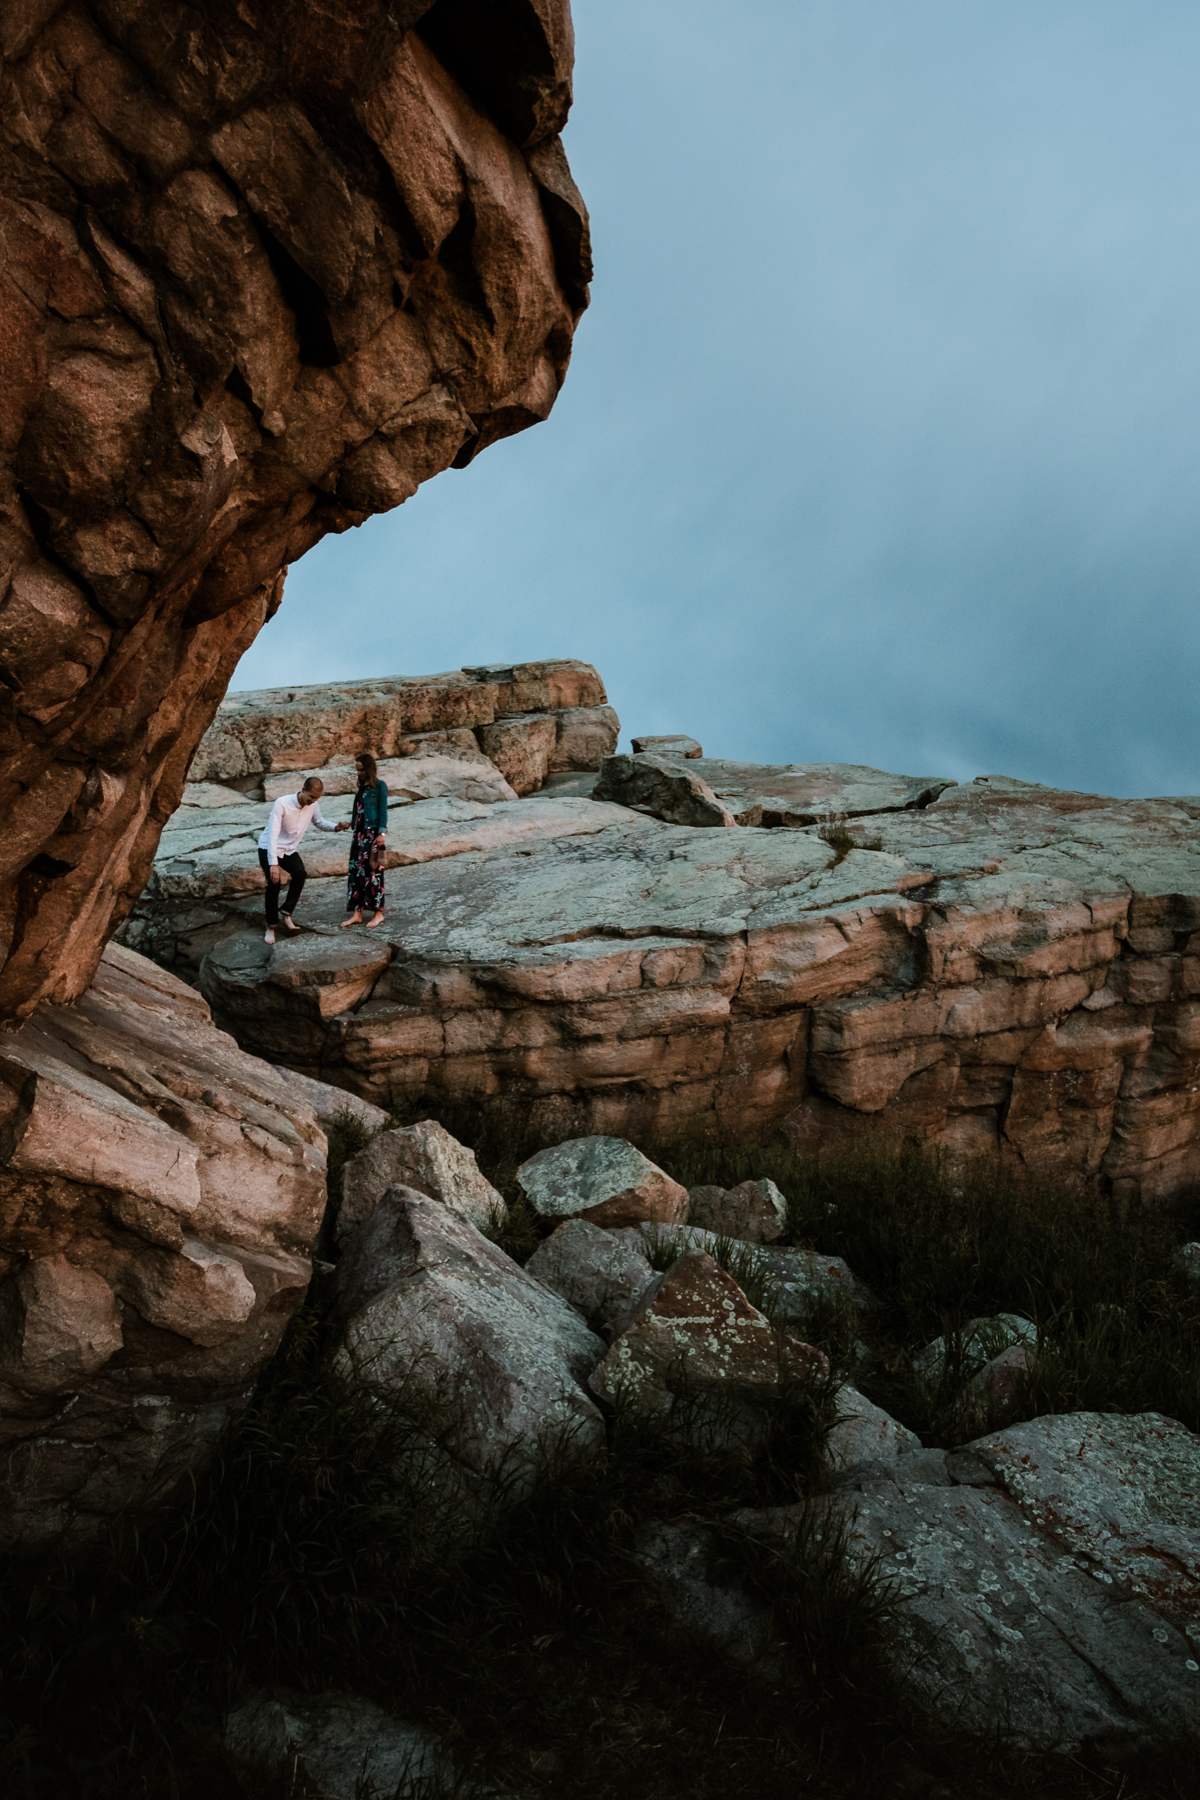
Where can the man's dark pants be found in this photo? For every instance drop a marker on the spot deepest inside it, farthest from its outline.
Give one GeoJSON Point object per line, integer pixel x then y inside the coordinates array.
{"type": "Point", "coordinates": [295, 873]}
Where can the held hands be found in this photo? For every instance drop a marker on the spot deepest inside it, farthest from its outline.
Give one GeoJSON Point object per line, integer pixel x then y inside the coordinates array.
{"type": "Point", "coordinates": [341, 825]}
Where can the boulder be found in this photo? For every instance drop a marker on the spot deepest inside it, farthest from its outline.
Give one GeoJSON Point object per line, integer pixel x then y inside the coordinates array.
{"type": "Point", "coordinates": [691, 1586]}
{"type": "Point", "coordinates": [653, 784]}
{"type": "Point", "coordinates": [1186, 1264]}
{"type": "Point", "coordinates": [754, 1212]}
{"type": "Point", "coordinates": [268, 268]}
{"type": "Point", "coordinates": [585, 736]}
{"type": "Point", "coordinates": [864, 1433]}
{"type": "Point", "coordinates": [602, 1274]}
{"type": "Point", "coordinates": [998, 1394]}
{"type": "Point", "coordinates": [695, 1339]}
{"type": "Point", "coordinates": [604, 1180]}
{"type": "Point", "coordinates": [486, 1362]}
{"type": "Point", "coordinates": [802, 1288]}
{"type": "Point", "coordinates": [426, 1158]}
{"type": "Point", "coordinates": [340, 1746]}
{"type": "Point", "coordinates": [160, 1193]}
{"type": "Point", "coordinates": [522, 748]}
{"type": "Point", "coordinates": [673, 744]}
{"type": "Point", "coordinates": [979, 1341]}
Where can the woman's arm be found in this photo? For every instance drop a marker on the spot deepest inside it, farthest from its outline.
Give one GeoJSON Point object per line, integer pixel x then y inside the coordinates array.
{"type": "Point", "coordinates": [381, 808]}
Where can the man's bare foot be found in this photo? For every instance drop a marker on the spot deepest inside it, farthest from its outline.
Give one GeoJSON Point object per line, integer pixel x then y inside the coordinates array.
{"type": "Point", "coordinates": [288, 923]}
{"type": "Point", "coordinates": [377, 920]}
{"type": "Point", "coordinates": [354, 919]}
{"type": "Point", "coordinates": [268, 936]}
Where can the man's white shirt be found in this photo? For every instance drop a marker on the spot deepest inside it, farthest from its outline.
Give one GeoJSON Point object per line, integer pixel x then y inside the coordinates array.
{"type": "Point", "coordinates": [287, 825]}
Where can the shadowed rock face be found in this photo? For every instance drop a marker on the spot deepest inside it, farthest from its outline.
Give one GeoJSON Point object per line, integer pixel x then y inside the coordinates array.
{"type": "Point", "coordinates": [266, 268]}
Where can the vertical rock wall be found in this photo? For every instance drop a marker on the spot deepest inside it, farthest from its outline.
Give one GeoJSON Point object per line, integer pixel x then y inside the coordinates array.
{"type": "Point", "coordinates": [265, 268]}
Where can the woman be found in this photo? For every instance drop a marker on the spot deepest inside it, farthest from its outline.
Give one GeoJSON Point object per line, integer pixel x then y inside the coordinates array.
{"type": "Point", "coordinates": [368, 822]}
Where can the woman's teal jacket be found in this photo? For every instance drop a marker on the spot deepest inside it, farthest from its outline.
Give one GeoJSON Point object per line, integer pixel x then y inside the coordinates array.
{"type": "Point", "coordinates": [374, 806]}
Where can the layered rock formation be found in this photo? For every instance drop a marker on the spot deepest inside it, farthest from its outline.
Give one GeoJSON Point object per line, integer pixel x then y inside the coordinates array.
{"type": "Point", "coordinates": [159, 1195]}
{"type": "Point", "coordinates": [525, 722]}
{"type": "Point", "coordinates": [1003, 968]}
{"type": "Point", "coordinates": [266, 269]}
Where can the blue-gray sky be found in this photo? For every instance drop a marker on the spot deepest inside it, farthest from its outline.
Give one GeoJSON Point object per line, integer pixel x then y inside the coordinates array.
{"type": "Point", "coordinates": [881, 441]}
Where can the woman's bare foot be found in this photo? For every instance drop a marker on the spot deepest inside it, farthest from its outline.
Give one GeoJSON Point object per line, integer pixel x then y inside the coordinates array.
{"type": "Point", "coordinates": [377, 920]}
{"type": "Point", "coordinates": [354, 919]}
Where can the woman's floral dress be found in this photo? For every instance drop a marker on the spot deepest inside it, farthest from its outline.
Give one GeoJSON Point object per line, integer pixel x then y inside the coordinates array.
{"type": "Point", "coordinates": [364, 885]}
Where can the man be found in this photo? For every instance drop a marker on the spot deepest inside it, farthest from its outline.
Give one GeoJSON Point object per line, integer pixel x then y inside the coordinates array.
{"type": "Point", "coordinates": [278, 850]}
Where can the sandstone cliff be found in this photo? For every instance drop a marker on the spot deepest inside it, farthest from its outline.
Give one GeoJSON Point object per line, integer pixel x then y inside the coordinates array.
{"type": "Point", "coordinates": [994, 966]}
{"type": "Point", "coordinates": [265, 269]}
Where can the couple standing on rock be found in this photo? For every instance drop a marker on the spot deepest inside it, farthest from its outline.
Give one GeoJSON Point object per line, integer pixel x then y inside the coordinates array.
{"type": "Point", "coordinates": [279, 848]}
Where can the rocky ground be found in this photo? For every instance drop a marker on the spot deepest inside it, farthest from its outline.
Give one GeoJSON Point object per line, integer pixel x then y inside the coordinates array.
{"type": "Point", "coordinates": [994, 967]}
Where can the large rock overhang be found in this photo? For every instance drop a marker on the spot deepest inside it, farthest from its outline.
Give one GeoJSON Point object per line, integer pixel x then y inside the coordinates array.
{"type": "Point", "coordinates": [266, 269]}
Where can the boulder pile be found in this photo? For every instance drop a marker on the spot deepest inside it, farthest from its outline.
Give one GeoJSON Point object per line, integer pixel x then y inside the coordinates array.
{"type": "Point", "coordinates": [1043, 1576]}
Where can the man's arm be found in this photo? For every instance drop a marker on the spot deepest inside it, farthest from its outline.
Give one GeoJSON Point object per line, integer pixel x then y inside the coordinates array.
{"type": "Point", "coordinates": [273, 824]}
{"type": "Point", "coordinates": [324, 824]}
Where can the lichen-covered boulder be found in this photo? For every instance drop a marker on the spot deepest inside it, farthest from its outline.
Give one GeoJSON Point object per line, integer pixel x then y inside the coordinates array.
{"type": "Point", "coordinates": [695, 1339]}
{"type": "Point", "coordinates": [602, 1179]}
{"type": "Point", "coordinates": [1050, 1591]}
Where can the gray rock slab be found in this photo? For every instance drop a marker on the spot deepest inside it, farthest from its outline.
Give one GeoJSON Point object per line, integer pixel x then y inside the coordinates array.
{"type": "Point", "coordinates": [674, 780]}
{"type": "Point", "coordinates": [1014, 972]}
{"type": "Point", "coordinates": [212, 852]}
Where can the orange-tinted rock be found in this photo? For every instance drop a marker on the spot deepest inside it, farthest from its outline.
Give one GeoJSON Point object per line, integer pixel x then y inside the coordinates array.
{"type": "Point", "coordinates": [267, 269]}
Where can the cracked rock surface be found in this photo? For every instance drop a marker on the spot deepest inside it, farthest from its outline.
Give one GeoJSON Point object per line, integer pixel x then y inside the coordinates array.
{"type": "Point", "coordinates": [266, 269]}
{"type": "Point", "coordinates": [1012, 969]}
